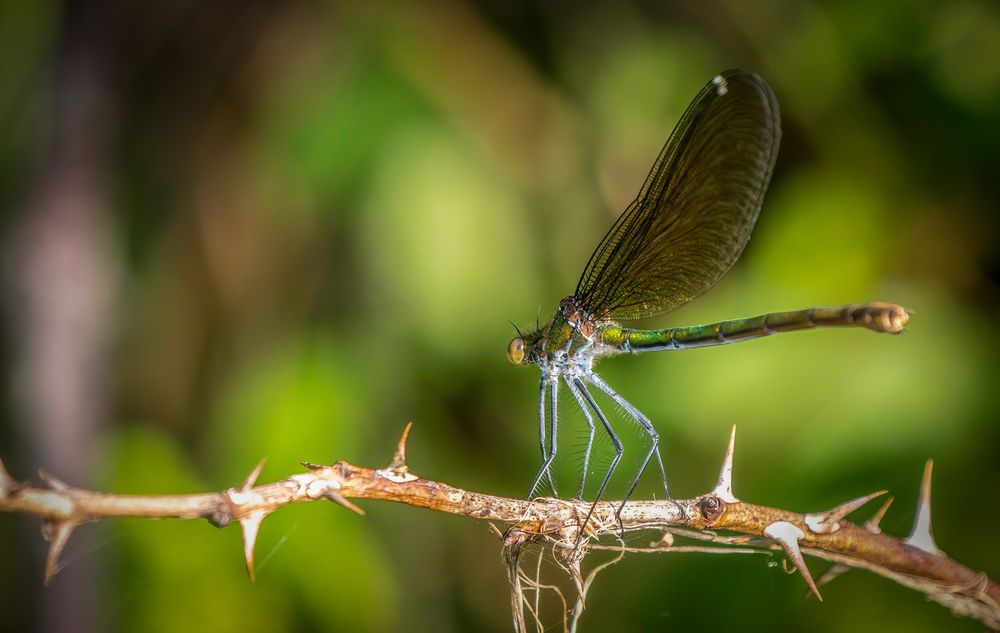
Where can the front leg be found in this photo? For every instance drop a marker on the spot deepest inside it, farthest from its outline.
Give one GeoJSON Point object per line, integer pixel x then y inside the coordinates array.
{"type": "Point", "coordinates": [549, 385]}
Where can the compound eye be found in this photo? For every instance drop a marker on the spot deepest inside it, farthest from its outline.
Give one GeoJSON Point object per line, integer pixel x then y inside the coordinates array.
{"type": "Point", "coordinates": [515, 351]}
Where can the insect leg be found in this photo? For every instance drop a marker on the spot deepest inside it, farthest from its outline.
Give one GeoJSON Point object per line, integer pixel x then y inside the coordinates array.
{"type": "Point", "coordinates": [550, 383]}
{"type": "Point", "coordinates": [590, 439]}
{"type": "Point", "coordinates": [619, 449]}
{"type": "Point", "coordinates": [646, 425]}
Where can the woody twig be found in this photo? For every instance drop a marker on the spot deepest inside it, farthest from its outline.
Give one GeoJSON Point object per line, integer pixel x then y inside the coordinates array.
{"type": "Point", "coordinates": [914, 561]}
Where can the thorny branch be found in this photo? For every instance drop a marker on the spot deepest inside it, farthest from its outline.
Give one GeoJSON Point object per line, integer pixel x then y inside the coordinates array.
{"type": "Point", "coordinates": [915, 561]}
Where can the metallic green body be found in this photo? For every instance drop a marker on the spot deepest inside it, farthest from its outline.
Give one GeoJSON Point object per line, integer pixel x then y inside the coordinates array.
{"type": "Point", "coordinates": [876, 316]}
{"type": "Point", "coordinates": [561, 338]}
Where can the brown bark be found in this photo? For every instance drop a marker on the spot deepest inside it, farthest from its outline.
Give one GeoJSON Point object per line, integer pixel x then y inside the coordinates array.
{"type": "Point", "coordinates": [914, 562]}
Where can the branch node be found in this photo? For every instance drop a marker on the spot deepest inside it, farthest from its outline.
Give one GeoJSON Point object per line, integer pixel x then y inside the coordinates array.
{"type": "Point", "coordinates": [724, 487]}
{"type": "Point", "coordinates": [711, 507]}
{"type": "Point", "coordinates": [221, 514]}
{"type": "Point", "coordinates": [788, 535]}
{"type": "Point", "coordinates": [57, 533]}
{"type": "Point", "coordinates": [54, 482]}
{"type": "Point", "coordinates": [233, 498]}
{"type": "Point", "coordinates": [922, 536]}
{"type": "Point", "coordinates": [872, 524]}
{"type": "Point", "coordinates": [828, 522]}
{"type": "Point", "coordinates": [250, 525]}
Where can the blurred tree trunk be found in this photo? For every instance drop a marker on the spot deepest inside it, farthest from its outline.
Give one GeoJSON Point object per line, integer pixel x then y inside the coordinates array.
{"type": "Point", "coordinates": [62, 274]}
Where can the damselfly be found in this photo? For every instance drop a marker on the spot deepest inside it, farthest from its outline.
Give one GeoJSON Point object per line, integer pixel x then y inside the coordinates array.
{"type": "Point", "coordinates": [688, 225]}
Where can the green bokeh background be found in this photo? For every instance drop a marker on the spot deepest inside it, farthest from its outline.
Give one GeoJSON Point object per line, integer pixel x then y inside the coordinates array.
{"type": "Point", "coordinates": [325, 217]}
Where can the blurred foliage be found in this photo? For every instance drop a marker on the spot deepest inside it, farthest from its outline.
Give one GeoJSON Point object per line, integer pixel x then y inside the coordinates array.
{"type": "Point", "coordinates": [329, 214]}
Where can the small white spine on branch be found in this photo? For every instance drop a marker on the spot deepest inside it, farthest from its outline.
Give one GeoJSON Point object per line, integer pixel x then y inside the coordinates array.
{"type": "Point", "coordinates": [54, 482]}
{"type": "Point", "coordinates": [724, 487]}
{"type": "Point", "coordinates": [828, 522]}
{"type": "Point", "coordinates": [872, 524]}
{"type": "Point", "coordinates": [788, 535]}
{"type": "Point", "coordinates": [250, 524]}
{"type": "Point", "coordinates": [915, 562]}
{"type": "Point", "coordinates": [922, 536]}
{"type": "Point", "coordinates": [57, 533]}
{"type": "Point", "coordinates": [397, 471]}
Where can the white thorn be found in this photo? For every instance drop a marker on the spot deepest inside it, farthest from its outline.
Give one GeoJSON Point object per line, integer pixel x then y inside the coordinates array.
{"type": "Point", "coordinates": [787, 535]}
{"type": "Point", "coordinates": [250, 524]}
{"type": "Point", "coordinates": [724, 487]}
{"type": "Point", "coordinates": [399, 457]}
{"type": "Point", "coordinates": [252, 477]}
{"type": "Point", "coordinates": [922, 536]}
{"type": "Point", "coordinates": [57, 533]}
{"type": "Point", "coordinates": [54, 482]}
{"type": "Point", "coordinates": [829, 521]}
{"type": "Point", "coordinates": [872, 524]}
{"type": "Point", "coordinates": [340, 499]}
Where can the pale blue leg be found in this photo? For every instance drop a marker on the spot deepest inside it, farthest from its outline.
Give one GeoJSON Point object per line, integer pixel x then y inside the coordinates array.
{"type": "Point", "coordinates": [646, 425]}
{"type": "Point", "coordinates": [590, 439]}
{"type": "Point", "coordinates": [552, 384]}
{"type": "Point", "coordinates": [580, 388]}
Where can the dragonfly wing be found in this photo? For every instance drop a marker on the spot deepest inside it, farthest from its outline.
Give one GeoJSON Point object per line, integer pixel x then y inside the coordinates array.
{"type": "Point", "coordinates": [696, 210]}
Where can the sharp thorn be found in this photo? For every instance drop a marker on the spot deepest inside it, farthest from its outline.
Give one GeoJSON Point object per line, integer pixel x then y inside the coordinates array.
{"type": "Point", "coordinates": [872, 524]}
{"type": "Point", "coordinates": [787, 535]}
{"type": "Point", "coordinates": [829, 521]}
{"type": "Point", "coordinates": [252, 477]}
{"type": "Point", "coordinates": [250, 525]}
{"type": "Point", "coordinates": [724, 487]}
{"type": "Point", "coordinates": [339, 499]}
{"type": "Point", "coordinates": [399, 457]}
{"type": "Point", "coordinates": [312, 465]}
{"type": "Point", "coordinates": [54, 482]}
{"type": "Point", "coordinates": [830, 574]}
{"type": "Point", "coordinates": [57, 533]}
{"type": "Point", "coordinates": [922, 536]}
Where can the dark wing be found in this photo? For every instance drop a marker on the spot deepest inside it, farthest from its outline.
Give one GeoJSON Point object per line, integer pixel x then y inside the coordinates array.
{"type": "Point", "coordinates": [694, 214]}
